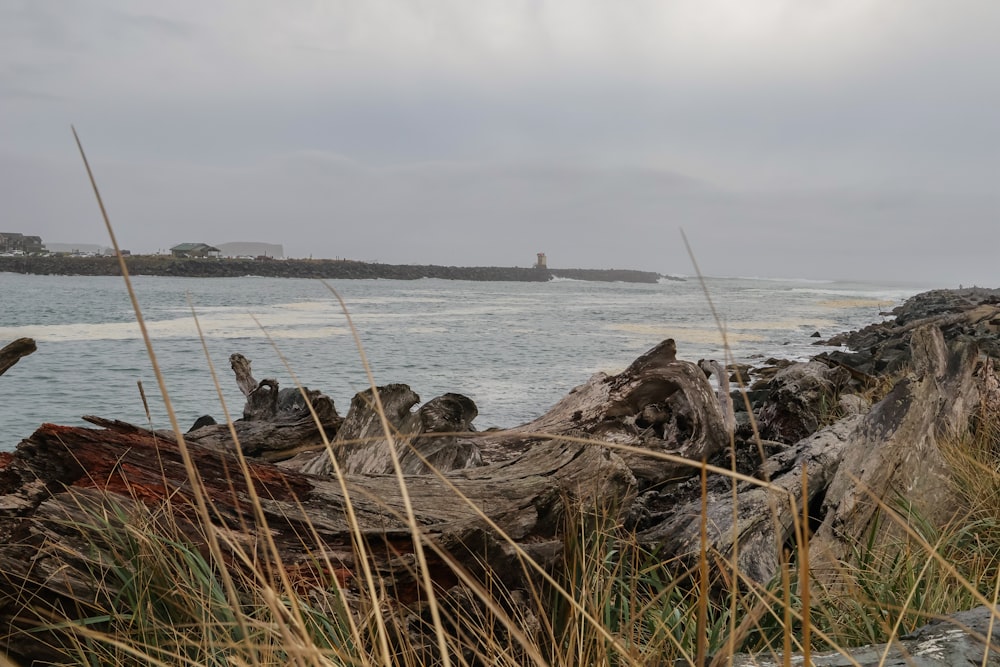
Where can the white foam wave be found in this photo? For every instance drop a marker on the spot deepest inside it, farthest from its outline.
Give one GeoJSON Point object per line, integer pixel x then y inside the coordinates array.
{"type": "Point", "coordinates": [426, 330]}
{"type": "Point", "coordinates": [220, 326]}
{"type": "Point", "coordinates": [791, 324]}
{"type": "Point", "coordinates": [686, 334]}
{"type": "Point", "coordinates": [812, 281]}
{"type": "Point", "coordinates": [873, 294]}
{"type": "Point", "coordinates": [385, 300]}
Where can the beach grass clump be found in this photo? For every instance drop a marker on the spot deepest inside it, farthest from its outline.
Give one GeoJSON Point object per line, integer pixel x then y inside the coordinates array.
{"type": "Point", "coordinates": [153, 594]}
{"type": "Point", "coordinates": [619, 603]}
{"type": "Point", "coordinates": [908, 571]}
{"type": "Point", "coordinates": [888, 588]}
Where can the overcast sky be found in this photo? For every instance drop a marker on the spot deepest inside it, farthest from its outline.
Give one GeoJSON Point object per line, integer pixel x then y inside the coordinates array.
{"type": "Point", "coordinates": [791, 138]}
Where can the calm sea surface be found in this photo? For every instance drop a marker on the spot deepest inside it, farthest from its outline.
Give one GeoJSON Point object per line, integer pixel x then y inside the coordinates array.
{"type": "Point", "coordinates": [514, 348]}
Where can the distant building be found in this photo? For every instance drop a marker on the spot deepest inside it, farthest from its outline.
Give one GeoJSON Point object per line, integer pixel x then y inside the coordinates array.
{"type": "Point", "coordinates": [541, 263]}
{"type": "Point", "coordinates": [194, 250]}
{"type": "Point", "coordinates": [11, 242]}
{"type": "Point", "coordinates": [251, 249]}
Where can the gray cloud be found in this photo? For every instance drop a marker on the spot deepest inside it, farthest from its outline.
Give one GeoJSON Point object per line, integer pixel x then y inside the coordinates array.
{"type": "Point", "coordinates": [502, 214]}
{"type": "Point", "coordinates": [857, 138]}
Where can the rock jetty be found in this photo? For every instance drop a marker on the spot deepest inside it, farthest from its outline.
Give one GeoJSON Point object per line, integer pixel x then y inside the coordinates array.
{"type": "Point", "coordinates": [330, 269]}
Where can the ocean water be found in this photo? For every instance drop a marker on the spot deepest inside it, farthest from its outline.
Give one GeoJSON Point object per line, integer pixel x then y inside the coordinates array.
{"type": "Point", "coordinates": [514, 348]}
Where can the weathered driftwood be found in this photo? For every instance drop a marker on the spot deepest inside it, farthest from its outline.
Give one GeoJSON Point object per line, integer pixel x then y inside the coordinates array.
{"type": "Point", "coordinates": [764, 520]}
{"type": "Point", "coordinates": [658, 401]}
{"type": "Point", "coordinates": [431, 438]}
{"type": "Point", "coordinates": [851, 465]}
{"type": "Point", "coordinates": [960, 639]}
{"type": "Point", "coordinates": [722, 379]}
{"type": "Point", "coordinates": [276, 424]}
{"type": "Point", "coordinates": [265, 401]}
{"type": "Point", "coordinates": [801, 396]}
{"type": "Point", "coordinates": [658, 404]}
{"type": "Point", "coordinates": [895, 451]}
{"type": "Point", "coordinates": [13, 352]}
{"type": "Point", "coordinates": [59, 469]}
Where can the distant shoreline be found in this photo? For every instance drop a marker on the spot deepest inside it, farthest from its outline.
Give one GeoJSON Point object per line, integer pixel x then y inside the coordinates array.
{"type": "Point", "coordinates": [332, 269]}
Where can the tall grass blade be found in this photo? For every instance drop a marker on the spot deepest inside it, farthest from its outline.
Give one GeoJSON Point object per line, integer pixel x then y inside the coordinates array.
{"type": "Point", "coordinates": [805, 584]}
{"type": "Point", "coordinates": [702, 647]}
{"type": "Point", "coordinates": [360, 543]}
{"type": "Point", "coordinates": [189, 467]}
{"type": "Point", "coordinates": [418, 535]}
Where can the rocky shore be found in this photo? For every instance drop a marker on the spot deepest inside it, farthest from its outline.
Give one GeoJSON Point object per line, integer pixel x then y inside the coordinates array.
{"type": "Point", "coordinates": [330, 269]}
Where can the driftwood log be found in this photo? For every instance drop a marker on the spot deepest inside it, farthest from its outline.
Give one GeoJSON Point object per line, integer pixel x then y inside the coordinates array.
{"type": "Point", "coordinates": [630, 444]}
{"type": "Point", "coordinates": [852, 466]}
{"type": "Point", "coordinates": [276, 424]}
{"type": "Point", "coordinates": [60, 469]}
{"type": "Point", "coordinates": [524, 487]}
{"type": "Point", "coordinates": [895, 450]}
{"type": "Point", "coordinates": [659, 404]}
{"type": "Point", "coordinates": [432, 438]}
{"type": "Point", "coordinates": [13, 352]}
{"type": "Point", "coordinates": [960, 639]}
{"type": "Point", "coordinates": [800, 397]}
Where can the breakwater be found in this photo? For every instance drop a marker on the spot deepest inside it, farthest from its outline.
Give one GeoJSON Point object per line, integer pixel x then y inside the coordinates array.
{"type": "Point", "coordinates": [158, 265]}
